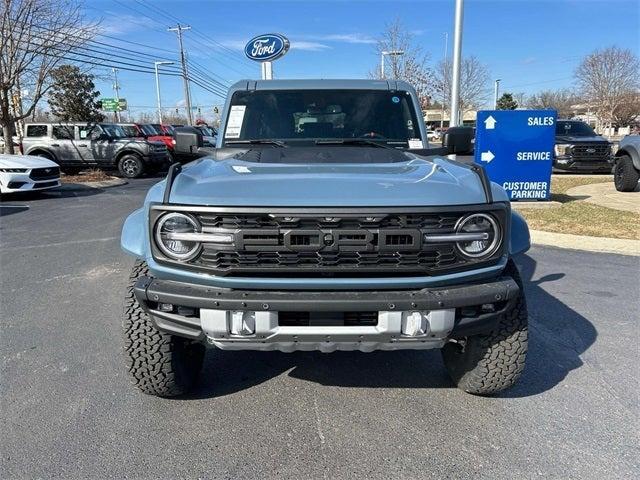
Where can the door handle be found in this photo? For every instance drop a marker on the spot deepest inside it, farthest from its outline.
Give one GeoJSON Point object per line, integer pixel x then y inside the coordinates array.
{"type": "Point", "coordinates": [83, 145]}
{"type": "Point", "coordinates": [55, 144]}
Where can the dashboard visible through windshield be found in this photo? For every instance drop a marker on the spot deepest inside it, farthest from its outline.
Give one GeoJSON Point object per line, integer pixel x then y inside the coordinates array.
{"type": "Point", "coordinates": [300, 116]}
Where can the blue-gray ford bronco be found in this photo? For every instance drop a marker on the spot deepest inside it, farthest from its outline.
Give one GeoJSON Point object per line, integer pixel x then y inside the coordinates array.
{"type": "Point", "coordinates": [323, 221]}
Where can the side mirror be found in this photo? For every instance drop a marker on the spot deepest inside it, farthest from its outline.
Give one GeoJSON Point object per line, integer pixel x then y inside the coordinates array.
{"type": "Point", "coordinates": [458, 139]}
{"type": "Point", "coordinates": [188, 140]}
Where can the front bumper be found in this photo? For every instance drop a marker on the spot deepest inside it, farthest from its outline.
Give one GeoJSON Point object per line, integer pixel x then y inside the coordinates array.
{"type": "Point", "coordinates": [201, 312]}
{"type": "Point", "coordinates": [569, 164]}
{"type": "Point", "coordinates": [21, 182]}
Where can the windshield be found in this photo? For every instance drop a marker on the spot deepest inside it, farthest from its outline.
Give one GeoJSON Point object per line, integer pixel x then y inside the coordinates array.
{"type": "Point", "coordinates": [575, 129]}
{"type": "Point", "coordinates": [129, 130]}
{"type": "Point", "coordinates": [149, 130]}
{"type": "Point", "coordinates": [206, 130]}
{"type": "Point", "coordinates": [114, 131]}
{"type": "Point", "coordinates": [299, 115]}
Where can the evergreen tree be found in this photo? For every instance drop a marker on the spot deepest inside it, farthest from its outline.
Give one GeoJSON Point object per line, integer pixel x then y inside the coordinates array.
{"type": "Point", "coordinates": [73, 96]}
{"type": "Point", "coordinates": [506, 102]}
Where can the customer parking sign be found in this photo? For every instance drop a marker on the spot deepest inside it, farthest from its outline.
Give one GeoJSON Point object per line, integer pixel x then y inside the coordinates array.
{"type": "Point", "coordinates": [516, 149]}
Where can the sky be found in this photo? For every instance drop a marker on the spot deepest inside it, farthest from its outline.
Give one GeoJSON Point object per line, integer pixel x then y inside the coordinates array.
{"type": "Point", "coordinates": [531, 45]}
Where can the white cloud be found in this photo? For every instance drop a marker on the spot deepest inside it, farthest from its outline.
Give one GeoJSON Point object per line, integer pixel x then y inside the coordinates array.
{"type": "Point", "coordinates": [308, 46]}
{"type": "Point", "coordinates": [117, 24]}
{"type": "Point", "coordinates": [345, 37]}
{"type": "Point", "coordinates": [529, 60]}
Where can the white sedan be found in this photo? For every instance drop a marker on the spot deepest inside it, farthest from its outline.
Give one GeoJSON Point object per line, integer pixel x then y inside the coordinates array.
{"type": "Point", "coordinates": [26, 173]}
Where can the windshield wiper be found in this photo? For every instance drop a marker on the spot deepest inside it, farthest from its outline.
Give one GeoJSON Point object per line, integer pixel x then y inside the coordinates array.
{"type": "Point", "coordinates": [257, 141]}
{"type": "Point", "coordinates": [354, 141]}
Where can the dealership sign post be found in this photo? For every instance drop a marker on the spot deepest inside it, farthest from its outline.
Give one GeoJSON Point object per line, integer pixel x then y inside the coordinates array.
{"type": "Point", "coordinates": [265, 49]}
{"type": "Point", "coordinates": [516, 149]}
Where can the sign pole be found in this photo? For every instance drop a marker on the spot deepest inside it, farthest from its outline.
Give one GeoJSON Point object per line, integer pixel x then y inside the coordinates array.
{"type": "Point", "coordinates": [267, 70]}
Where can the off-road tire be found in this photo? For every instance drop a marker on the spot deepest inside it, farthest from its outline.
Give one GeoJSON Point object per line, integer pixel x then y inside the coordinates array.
{"type": "Point", "coordinates": [489, 363]}
{"type": "Point", "coordinates": [131, 165]}
{"type": "Point", "coordinates": [625, 176]}
{"type": "Point", "coordinates": [160, 364]}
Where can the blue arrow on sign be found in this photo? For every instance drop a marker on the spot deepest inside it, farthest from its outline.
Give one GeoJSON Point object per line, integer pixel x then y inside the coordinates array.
{"type": "Point", "coordinates": [516, 149]}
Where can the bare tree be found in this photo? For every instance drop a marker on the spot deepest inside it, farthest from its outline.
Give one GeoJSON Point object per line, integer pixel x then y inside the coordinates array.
{"type": "Point", "coordinates": [474, 83]}
{"type": "Point", "coordinates": [561, 100]}
{"type": "Point", "coordinates": [627, 113]}
{"type": "Point", "coordinates": [606, 77]}
{"type": "Point", "coordinates": [35, 36]}
{"type": "Point", "coordinates": [411, 66]}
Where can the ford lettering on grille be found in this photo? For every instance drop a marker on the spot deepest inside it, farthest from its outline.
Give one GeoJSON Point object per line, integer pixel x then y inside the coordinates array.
{"type": "Point", "coordinates": [329, 240]}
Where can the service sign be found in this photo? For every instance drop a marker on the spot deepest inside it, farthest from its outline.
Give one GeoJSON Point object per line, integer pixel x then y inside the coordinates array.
{"type": "Point", "coordinates": [267, 47]}
{"type": "Point", "coordinates": [516, 149]}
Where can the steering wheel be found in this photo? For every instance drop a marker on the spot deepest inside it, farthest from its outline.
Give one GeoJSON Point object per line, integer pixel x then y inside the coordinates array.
{"type": "Point", "coordinates": [372, 135]}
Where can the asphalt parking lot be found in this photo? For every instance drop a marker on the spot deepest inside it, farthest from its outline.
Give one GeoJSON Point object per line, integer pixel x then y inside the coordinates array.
{"type": "Point", "coordinates": [68, 409]}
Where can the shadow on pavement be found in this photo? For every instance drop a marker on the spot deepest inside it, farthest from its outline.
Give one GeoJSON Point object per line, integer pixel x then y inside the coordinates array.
{"type": "Point", "coordinates": [558, 335]}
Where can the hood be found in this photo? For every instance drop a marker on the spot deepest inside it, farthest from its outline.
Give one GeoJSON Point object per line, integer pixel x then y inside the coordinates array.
{"type": "Point", "coordinates": [25, 161]}
{"type": "Point", "coordinates": [417, 181]}
{"type": "Point", "coordinates": [577, 139]}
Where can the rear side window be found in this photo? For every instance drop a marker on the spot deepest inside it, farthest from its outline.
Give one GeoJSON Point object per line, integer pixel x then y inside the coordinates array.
{"type": "Point", "coordinates": [62, 132]}
{"type": "Point", "coordinates": [36, 130]}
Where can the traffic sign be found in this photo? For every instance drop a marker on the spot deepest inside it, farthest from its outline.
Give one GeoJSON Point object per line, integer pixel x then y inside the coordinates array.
{"type": "Point", "coordinates": [113, 105]}
{"type": "Point", "coordinates": [516, 149]}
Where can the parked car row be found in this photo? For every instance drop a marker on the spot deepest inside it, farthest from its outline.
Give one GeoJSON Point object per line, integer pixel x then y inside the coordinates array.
{"type": "Point", "coordinates": [75, 146]}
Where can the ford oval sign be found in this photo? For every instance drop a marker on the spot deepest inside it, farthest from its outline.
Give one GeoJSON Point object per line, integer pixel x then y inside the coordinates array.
{"type": "Point", "coordinates": [268, 47]}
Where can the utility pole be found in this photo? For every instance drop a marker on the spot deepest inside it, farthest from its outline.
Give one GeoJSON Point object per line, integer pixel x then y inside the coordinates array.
{"type": "Point", "coordinates": [116, 89]}
{"type": "Point", "coordinates": [457, 56]}
{"type": "Point", "coordinates": [495, 93]}
{"type": "Point", "coordinates": [185, 74]}
{"type": "Point", "coordinates": [392, 53]}
{"type": "Point", "coordinates": [156, 65]}
{"type": "Point", "coordinates": [444, 100]}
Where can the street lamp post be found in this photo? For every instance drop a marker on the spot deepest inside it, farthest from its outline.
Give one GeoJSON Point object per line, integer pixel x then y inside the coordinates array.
{"type": "Point", "coordinates": [156, 65]}
{"type": "Point", "coordinates": [495, 93]}
{"type": "Point", "coordinates": [395, 53]}
{"type": "Point", "coordinates": [457, 57]}
{"type": "Point", "coordinates": [444, 100]}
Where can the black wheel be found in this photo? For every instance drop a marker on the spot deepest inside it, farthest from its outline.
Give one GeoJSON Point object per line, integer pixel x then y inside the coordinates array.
{"type": "Point", "coordinates": [489, 363]}
{"type": "Point", "coordinates": [130, 166]}
{"type": "Point", "coordinates": [625, 176]}
{"type": "Point", "coordinates": [160, 364]}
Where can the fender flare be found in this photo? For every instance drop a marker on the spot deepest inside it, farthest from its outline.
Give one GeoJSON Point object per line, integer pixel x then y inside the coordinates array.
{"type": "Point", "coordinates": [631, 151]}
{"type": "Point", "coordinates": [519, 238]}
{"type": "Point", "coordinates": [43, 150]}
{"type": "Point", "coordinates": [133, 239]}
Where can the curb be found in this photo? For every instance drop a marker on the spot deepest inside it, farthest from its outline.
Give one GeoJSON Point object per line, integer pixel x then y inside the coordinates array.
{"type": "Point", "coordinates": [116, 182]}
{"type": "Point", "coordinates": [585, 243]}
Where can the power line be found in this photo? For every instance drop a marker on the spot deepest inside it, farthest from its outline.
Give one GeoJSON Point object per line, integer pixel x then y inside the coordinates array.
{"type": "Point", "coordinates": [232, 55]}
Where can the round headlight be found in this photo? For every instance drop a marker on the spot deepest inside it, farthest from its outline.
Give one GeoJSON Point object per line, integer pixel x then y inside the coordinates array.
{"type": "Point", "coordinates": [484, 235]}
{"type": "Point", "coordinates": [172, 236]}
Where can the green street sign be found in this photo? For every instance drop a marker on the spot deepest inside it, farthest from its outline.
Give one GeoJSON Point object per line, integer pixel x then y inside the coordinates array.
{"type": "Point", "coordinates": [113, 105]}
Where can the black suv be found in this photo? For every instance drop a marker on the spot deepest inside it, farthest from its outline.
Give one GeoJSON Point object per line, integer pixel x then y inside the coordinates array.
{"type": "Point", "coordinates": [579, 148]}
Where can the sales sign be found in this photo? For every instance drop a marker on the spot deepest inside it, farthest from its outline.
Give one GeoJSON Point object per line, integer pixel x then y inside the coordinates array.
{"type": "Point", "coordinates": [516, 149]}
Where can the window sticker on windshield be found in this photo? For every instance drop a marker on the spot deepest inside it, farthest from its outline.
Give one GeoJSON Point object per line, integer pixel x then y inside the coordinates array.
{"type": "Point", "coordinates": [395, 99]}
{"type": "Point", "coordinates": [234, 122]}
{"type": "Point", "coordinates": [415, 143]}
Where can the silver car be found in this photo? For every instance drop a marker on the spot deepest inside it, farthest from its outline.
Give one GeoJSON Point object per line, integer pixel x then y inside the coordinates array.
{"type": "Point", "coordinates": [76, 146]}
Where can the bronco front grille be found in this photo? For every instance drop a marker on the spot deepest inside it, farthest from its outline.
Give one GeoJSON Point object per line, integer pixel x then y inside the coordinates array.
{"type": "Point", "coordinates": [333, 243]}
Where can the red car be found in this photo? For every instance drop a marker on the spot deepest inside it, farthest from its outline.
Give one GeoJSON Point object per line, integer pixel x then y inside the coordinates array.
{"type": "Point", "coordinates": [152, 132]}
